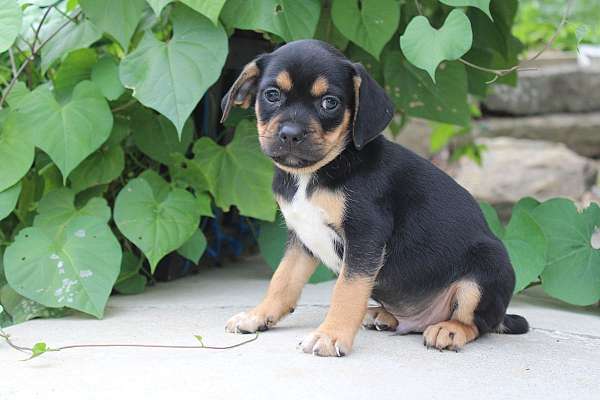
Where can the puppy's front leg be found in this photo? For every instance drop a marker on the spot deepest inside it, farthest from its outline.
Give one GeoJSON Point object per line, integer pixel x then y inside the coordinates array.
{"type": "Point", "coordinates": [335, 335]}
{"type": "Point", "coordinates": [291, 275]}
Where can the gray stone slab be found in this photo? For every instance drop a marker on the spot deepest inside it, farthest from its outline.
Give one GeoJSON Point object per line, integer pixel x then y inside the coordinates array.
{"type": "Point", "coordinates": [559, 359]}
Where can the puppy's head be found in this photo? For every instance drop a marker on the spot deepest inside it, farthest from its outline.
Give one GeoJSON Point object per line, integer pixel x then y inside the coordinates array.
{"type": "Point", "coordinates": [310, 102]}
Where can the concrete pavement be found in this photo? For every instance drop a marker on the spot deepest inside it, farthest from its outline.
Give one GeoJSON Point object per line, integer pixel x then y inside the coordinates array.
{"type": "Point", "coordinates": [559, 359]}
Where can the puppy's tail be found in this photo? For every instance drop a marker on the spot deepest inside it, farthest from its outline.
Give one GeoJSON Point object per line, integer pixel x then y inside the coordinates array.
{"type": "Point", "coordinates": [513, 325]}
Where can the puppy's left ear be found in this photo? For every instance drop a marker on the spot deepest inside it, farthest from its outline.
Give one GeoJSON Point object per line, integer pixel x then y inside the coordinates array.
{"type": "Point", "coordinates": [244, 88]}
{"type": "Point", "coordinates": [373, 109]}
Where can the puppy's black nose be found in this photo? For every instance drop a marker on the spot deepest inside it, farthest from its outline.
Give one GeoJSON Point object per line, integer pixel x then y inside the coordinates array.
{"type": "Point", "coordinates": [291, 132]}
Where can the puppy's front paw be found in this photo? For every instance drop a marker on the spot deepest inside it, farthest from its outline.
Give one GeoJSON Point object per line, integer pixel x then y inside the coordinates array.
{"type": "Point", "coordinates": [325, 344]}
{"type": "Point", "coordinates": [248, 322]}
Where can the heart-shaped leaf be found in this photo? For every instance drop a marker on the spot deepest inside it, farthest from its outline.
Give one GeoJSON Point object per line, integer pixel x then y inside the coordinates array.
{"type": "Point", "coordinates": [483, 5]}
{"type": "Point", "coordinates": [415, 94]}
{"type": "Point", "coordinates": [426, 47]}
{"type": "Point", "coordinates": [238, 174]}
{"type": "Point", "coordinates": [10, 23]}
{"type": "Point", "coordinates": [105, 74]}
{"type": "Point", "coordinates": [573, 270]}
{"type": "Point", "coordinates": [16, 150]}
{"type": "Point", "coordinates": [72, 131]}
{"type": "Point", "coordinates": [156, 136]}
{"type": "Point", "coordinates": [288, 19]}
{"type": "Point", "coordinates": [524, 240]}
{"type": "Point", "coordinates": [74, 267]}
{"type": "Point", "coordinates": [368, 23]}
{"type": "Point", "coordinates": [155, 69]}
{"type": "Point", "coordinates": [194, 247]}
{"type": "Point", "coordinates": [116, 17]}
{"type": "Point", "coordinates": [8, 200]}
{"type": "Point", "coordinates": [156, 218]}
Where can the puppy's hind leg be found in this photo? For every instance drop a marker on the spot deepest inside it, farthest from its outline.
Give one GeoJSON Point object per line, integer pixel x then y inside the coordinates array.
{"type": "Point", "coordinates": [460, 329]}
{"type": "Point", "coordinates": [378, 318]}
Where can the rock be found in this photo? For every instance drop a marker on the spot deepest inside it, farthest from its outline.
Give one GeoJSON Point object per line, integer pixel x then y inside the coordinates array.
{"type": "Point", "coordinates": [563, 88]}
{"type": "Point", "coordinates": [515, 168]}
{"type": "Point", "coordinates": [580, 132]}
{"type": "Point", "coordinates": [415, 135]}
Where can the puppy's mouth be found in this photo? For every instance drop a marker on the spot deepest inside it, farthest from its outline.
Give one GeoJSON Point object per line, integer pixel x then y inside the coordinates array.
{"type": "Point", "coordinates": [292, 161]}
{"type": "Point", "coordinates": [291, 156]}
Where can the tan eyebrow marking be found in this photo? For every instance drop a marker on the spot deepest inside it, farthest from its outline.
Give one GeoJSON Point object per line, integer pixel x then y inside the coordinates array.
{"type": "Point", "coordinates": [284, 81]}
{"type": "Point", "coordinates": [319, 87]}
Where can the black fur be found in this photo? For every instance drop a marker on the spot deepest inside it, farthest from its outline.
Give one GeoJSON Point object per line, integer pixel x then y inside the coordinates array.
{"type": "Point", "coordinates": [430, 229]}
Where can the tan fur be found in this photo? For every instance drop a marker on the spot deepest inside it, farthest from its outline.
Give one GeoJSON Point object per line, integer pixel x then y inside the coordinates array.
{"type": "Point", "coordinates": [336, 334]}
{"type": "Point", "coordinates": [333, 203]}
{"type": "Point", "coordinates": [467, 299]}
{"type": "Point", "coordinates": [451, 335]}
{"type": "Point", "coordinates": [284, 81]}
{"type": "Point", "coordinates": [380, 319]}
{"type": "Point", "coordinates": [333, 141]}
{"type": "Point", "coordinates": [319, 87]}
{"type": "Point", "coordinates": [250, 71]}
{"type": "Point", "coordinates": [287, 282]}
{"type": "Point", "coordinates": [285, 288]}
{"type": "Point", "coordinates": [267, 130]}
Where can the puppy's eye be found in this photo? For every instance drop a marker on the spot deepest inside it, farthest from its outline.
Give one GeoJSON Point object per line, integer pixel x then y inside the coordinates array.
{"type": "Point", "coordinates": [330, 103]}
{"type": "Point", "coordinates": [272, 95]}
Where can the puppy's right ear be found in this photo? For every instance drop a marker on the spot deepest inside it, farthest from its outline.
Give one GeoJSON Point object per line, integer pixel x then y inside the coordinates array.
{"type": "Point", "coordinates": [244, 88]}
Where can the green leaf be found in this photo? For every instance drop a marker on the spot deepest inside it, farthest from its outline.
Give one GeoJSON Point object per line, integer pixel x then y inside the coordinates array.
{"type": "Point", "coordinates": [77, 67]}
{"type": "Point", "coordinates": [8, 200]}
{"type": "Point", "coordinates": [238, 174]}
{"type": "Point", "coordinates": [10, 23]}
{"type": "Point", "coordinates": [38, 349]}
{"type": "Point", "coordinates": [158, 5]}
{"type": "Point", "coordinates": [524, 240]}
{"type": "Point", "coordinates": [415, 94]}
{"type": "Point", "coordinates": [194, 247]}
{"type": "Point", "coordinates": [103, 166]}
{"type": "Point", "coordinates": [272, 238]}
{"type": "Point", "coordinates": [72, 37]}
{"type": "Point", "coordinates": [105, 74]}
{"type": "Point", "coordinates": [494, 46]}
{"type": "Point", "coordinates": [208, 8]}
{"type": "Point", "coordinates": [483, 5]}
{"type": "Point", "coordinates": [15, 150]}
{"type": "Point", "coordinates": [156, 220]}
{"type": "Point", "coordinates": [130, 281]}
{"type": "Point", "coordinates": [288, 19]}
{"type": "Point", "coordinates": [426, 47]}
{"type": "Point", "coordinates": [442, 134]}
{"type": "Point", "coordinates": [155, 69]}
{"type": "Point", "coordinates": [22, 309]}
{"type": "Point", "coordinates": [73, 130]}
{"type": "Point", "coordinates": [327, 32]}
{"type": "Point", "coordinates": [18, 92]}
{"type": "Point", "coordinates": [73, 267]}
{"type": "Point", "coordinates": [573, 270]}
{"type": "Point", "coordinates": [116, 17]}
{"type": "Point", "coordinates": [368, 23]}
{"type": "Point", "coordinates": [491, 217]}
{"type": "Point", "coordinates": [156, 136]}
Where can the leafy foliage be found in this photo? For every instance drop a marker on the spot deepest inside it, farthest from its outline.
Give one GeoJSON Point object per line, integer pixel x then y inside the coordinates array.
{"type": "Point", "coordinates": [97, 101]}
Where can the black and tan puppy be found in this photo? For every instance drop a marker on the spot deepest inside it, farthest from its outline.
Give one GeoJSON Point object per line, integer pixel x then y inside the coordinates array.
{"type": "Point", "coordinates": [394, 227]}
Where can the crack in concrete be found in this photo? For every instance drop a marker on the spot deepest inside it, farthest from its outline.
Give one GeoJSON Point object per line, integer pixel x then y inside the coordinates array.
{"type": "Point", "coordinates": [553, 332]}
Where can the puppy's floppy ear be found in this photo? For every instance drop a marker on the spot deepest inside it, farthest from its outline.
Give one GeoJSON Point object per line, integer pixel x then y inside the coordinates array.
{"type": "Point", "coordinates": [373, 109]}
{"type": "Point", "coordinates": [244, 88]}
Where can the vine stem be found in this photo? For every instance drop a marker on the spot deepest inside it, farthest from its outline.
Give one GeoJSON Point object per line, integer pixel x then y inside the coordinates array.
{"type": "Point", "coordinates": [499, 73]}
{"type": "Point", "coordinates": [7, 339]}
{"type": "Point", "coordinates": [34, 51]}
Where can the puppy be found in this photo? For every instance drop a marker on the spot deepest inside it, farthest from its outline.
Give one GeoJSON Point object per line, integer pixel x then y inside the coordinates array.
{"type": "Point", "coordinates": [394, 227]}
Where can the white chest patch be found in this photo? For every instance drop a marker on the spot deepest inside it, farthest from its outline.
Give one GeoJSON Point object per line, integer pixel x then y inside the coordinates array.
{"type": "Point", "coordinates": [309, 222]}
